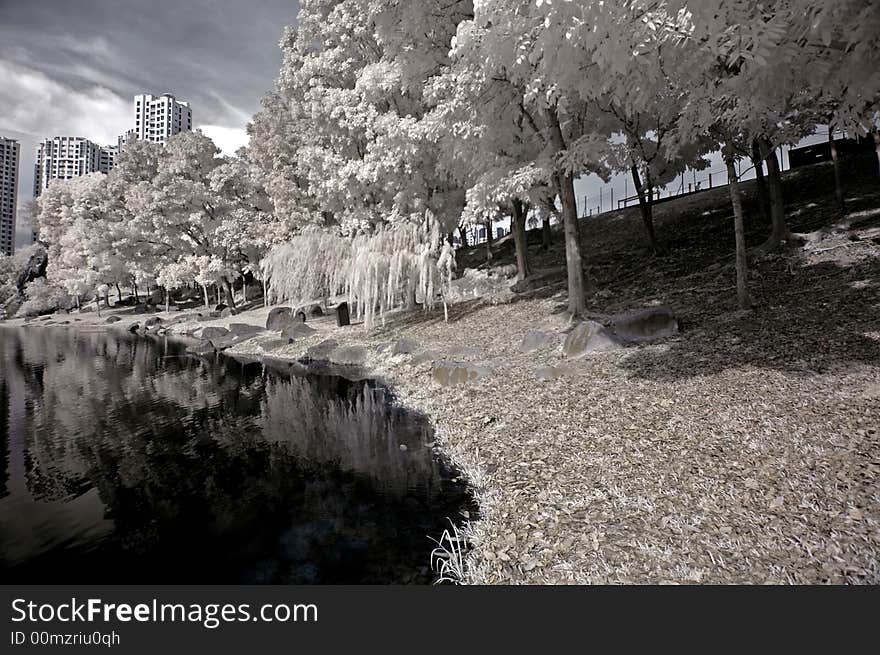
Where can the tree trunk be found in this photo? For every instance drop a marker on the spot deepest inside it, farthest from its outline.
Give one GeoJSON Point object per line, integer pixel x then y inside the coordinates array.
{"type": "Point", "coordinates": [462, 232]}
{"type": "Point", "coordinates": [107, 298]}
{"type": "Point", "coordinates": [265, 294]}
{"type": "Point", "coordinates": [78, 308]}
{"type": "Point", "coordinates": [229, 292]}
{"type": "Point", "coordinates": [118, 293]}
{"type": "Point", "coordinates": [577, 280]}
{"type": "Point", "coordinates": [877, 149]}
{"type": "Point", "coordinates": [546, 233]}
{"type": "Point", "coordinates": [518, 225]}
{"type": "Point", "coordinates": [207, 301]}
{"type": "Point", "coordinates": [742, 291]}
{"type": "Point", "coordinates": [763, 197]}
{"type": "Point", "coordinates": [137, 298]}
{"type": "Point", "coordinates": [167, 300]}
{"type": "Point", "coordinates": [489, 241]}
{"type": "Point", "coordinates": [646, 205]}
{"type": "Point", "coordinates": [838, 187]}
{"type": "Point", "coordinates": [777, 205]}
{"type": "Point", "coordinates": [244, 290]}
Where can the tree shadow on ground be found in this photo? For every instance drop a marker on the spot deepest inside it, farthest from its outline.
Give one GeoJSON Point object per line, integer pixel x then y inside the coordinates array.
{"type": "Point", "coordinates": [814, 323]}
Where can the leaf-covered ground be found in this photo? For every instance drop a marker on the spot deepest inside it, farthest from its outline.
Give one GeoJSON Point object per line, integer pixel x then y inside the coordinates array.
{"type": "Point", "coordinates": [744, 450]}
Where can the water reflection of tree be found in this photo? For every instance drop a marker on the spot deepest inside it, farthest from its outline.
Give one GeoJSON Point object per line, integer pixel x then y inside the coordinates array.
{"type": "Point", "coordinates": [224, 472]}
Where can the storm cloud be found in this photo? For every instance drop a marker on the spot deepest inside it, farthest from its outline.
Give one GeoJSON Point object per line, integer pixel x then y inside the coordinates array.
{"type": "Point", "coordinates": [71, 67]}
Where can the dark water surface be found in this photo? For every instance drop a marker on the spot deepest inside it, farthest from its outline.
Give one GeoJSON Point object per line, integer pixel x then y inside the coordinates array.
{"type": "Point", "coordinates": [123, 460]}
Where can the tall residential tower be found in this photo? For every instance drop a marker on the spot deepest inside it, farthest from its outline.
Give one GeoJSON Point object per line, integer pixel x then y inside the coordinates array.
{"type": "Point", "coordinates": [65, 157]}
{"type": "Point", "coordinates": [156, 118]}
{"type": "Point", "coordinates": [10, 151]}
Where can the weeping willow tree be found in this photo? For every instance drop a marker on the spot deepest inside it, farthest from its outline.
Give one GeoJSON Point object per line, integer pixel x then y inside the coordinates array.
{"type": "Point", "coordinates": [393, 265]}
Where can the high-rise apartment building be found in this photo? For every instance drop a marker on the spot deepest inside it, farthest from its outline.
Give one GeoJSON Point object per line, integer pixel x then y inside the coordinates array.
{"type": "Point", "coordinates": [66, 157]}
{"type": "Point", "coordinates": [156, 118]}
{"type": "Point", "coordinates": [107, 158]}
{"type": "Point", "coordinates": [10, 151]}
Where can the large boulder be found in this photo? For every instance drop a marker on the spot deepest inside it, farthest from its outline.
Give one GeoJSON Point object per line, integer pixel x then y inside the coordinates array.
{"type": "Point", "coordinates": [212, 332]}
{"type": "Point", "coordinates": [152, 321]}
{"type": "Point", "coordinates": [134, 327]}
{"type": "Point", "coordinates": [321, 351]}
{"type": "Point", "coordinates": [450, 373]}
{"type": "Point", "coordinates": [296, 330]}
{"type": "Point", "coordinates": [244, 329]}
{"type": "Point", "coordinates": [645, 325]}
{"type": "Point", "coordinates": [274, 344]}
{"type": "Point", "coordinates": [226, 312]}
{"type": "Point", "coordinates": [112, 319]}
{"type": "Point", "coordinates": [588, 337]}
{"type": "Point", "coordinates": [279, 318]}
{"type": "Point", "coordinates": [227, 341]}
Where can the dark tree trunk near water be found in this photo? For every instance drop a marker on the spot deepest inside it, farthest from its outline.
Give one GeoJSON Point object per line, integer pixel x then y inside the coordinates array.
{"type": "Point", "coordinates": [518, 227]}
{"type": "Point", "coordinates": [118, 293]}
{"type": "Point", "coordinates": [877, 149]}
{"type": "Point", "coordinates": [546, 233]}
{"type": "Point", "coordinates": [462, 233]}
{"type": "Point", "coordinates": [228, 292]}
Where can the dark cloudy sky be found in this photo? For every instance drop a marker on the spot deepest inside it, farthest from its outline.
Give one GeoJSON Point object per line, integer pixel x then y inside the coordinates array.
{"type": "Point", "coordinates": [71, 67]}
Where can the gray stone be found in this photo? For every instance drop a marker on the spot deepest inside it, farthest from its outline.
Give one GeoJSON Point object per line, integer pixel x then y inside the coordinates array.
{"type": "Point", "coordinates": [213, 332]}
{"type": "Point", "coordinates": [645, 325]}
{"type": "Point", "coordinates": [296, 330]}
{"type": "Point", "coordinates": [404, 347]}
{"type": "Point", "coordinates": [274, 344]}
{"type": "Point", "coordinates": [112, 319]}
{"type": "Point", "coordinates": [152, 321]}
{"type": "Point", "coordinates": [455, 373]}
{"type": "Point", "coordinates": [588, 337]}
{"type": "Point", "coordinates": [227, 341]}
{"type": "Point", "coordinates": [134, 327]}
{"type": "Point", "coordinates": [244, 329]}
{"type": "Point", "coordinates": [321, 351]}
{"type": "Point", "coordinates": [227, 312]}
{"type": "Point", "coordinates": [279, 318]}
{"type": "Point", "coordinates": [349, 355]}
{"type": "Point", "coordinates": [535, 340]}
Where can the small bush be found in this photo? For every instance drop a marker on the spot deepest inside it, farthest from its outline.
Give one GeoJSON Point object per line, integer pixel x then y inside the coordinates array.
{"type": "Point", "coordinates": [43, 298]}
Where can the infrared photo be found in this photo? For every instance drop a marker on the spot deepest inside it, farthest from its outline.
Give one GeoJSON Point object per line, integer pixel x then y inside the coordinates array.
{"type": "Point", "coordinates": [439, 294]}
